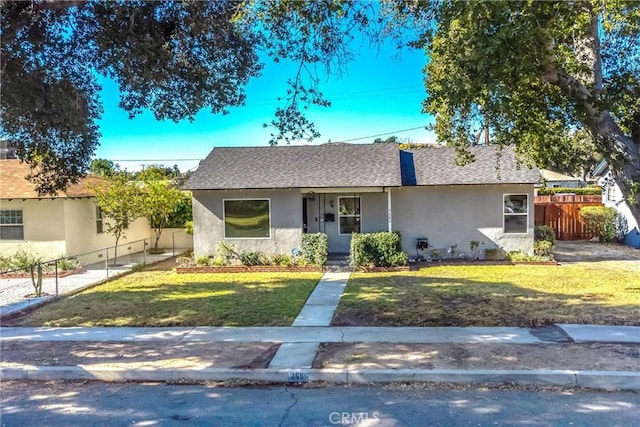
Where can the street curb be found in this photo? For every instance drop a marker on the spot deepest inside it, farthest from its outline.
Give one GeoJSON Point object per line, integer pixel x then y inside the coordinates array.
{"type": "Point", "coordinates": [608, 380]}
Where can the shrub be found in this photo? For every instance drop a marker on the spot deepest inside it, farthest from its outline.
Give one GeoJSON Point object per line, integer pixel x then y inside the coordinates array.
{"type": "Point", "coordinates": [202, 260]}
{"type": "Point", "coordinates": [284, 260]}
{"type": "Point", "coordinates": [218, 262]}
{"type": "Point", "coordinates": [23, 260]}
{"type": "Point", "coordinates": [544, 233]}
{"type": "Point", "coordinates": [226, 251]}
{"type": "Point", "coordinates": [315, 248]}
{"type": "Point", "coordinates": [601, 221]}
{"type": "Point", "coordinates": [188, 227]}
{"type": "Point", "coordinates": [6, 263]}
{"type": "Point", "coordinates": [542, 248]}
{"type": "Point", "coordinates": [251, 257]}
{"type": "Point", "coordinates": [518, 256]}
{"type": "Point", "coordinates": [584, 191]}
{"type": "Point", "coordinates": [66, 264]}
{"type": "Point", "coordinates": [376, 249]}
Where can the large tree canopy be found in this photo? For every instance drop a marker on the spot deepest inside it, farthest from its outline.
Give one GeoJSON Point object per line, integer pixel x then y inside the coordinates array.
{"type": "Point", "coordinates": [534, 73]}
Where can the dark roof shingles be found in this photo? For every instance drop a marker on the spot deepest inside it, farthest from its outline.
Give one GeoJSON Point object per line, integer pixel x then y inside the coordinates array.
{"type": "Point", "coordinates": [315, 166]}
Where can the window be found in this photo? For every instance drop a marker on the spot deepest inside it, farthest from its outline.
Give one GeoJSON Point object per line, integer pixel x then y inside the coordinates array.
{"type": "Point", "coordinates": [247, 218]}
{"type": "Point", "coordinates": [11, 225]}
{"type": "Point", "coordinates": [349, 213]}
{"type": "Point", "coordinates": [516, 217]}
{"type": "Point", "coordinates": [99, 222]}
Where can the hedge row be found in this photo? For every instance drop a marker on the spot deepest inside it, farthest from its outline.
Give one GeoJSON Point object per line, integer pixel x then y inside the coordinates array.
{"type": "Point", "coordinates": [382, 249]}
{"type": "Point", "coordinates": [583, 191]}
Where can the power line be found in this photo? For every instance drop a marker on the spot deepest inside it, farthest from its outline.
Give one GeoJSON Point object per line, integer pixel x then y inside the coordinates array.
{"type": "Point", "coordinates": [382, 134]}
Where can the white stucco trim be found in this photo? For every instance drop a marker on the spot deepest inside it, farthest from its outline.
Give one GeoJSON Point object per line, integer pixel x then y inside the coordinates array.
{"type": "Point", "coordinates": [224, 229]}
{"type": "Point", "coordinates": [334, 190]}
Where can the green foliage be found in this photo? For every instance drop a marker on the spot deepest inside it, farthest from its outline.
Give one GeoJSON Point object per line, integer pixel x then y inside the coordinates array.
{"type": "Point", "coordinates": [36, 279]}
{"type": "Point", "coordinates": [160, 201]}
{"type": "Point", "coordinates": [188, 227]}
{"type": "Point", "coordinates": [583, 191]}
{"type": "Point", "coordinates": [23, 260]}
{"type": "Point", "coordinates": [226, 250]}
{"type": "Point", "coordinates": [284, 260]}
{"type": "Point", "coordinates": [103, 167]}
{"type": "Point", "coordinates": [173, 58]}
{"type": "Point", "coordinates": [251, 258]}
{"type": "Point", "coordinates": [543, 248]}
{"type": "Point", "coordinates": [202, 260]}
{"type": "Point", "coordinates": [518, 256]}
{"type": "Point", "coordinates": [544, 233]}
{"type": "Point", "coordinates": [377, 249]}
{"type": "Point", "coordinates": [66, 264]}
{"type": "Point", "coordinates": [121, 204]}
{"type": "Point", "coordinates": [315, 248]}
{"type": "Point", "coordinates": [601, 221]}
{"type": "Point", "coordinates": [6, 264]}
{"type": "Point", "coordinates": [183, 213]}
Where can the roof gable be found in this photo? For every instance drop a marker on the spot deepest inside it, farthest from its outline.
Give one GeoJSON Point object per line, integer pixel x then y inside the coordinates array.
{"type": "Point", "coordinates": [492, 165]}
{"type": "Point", "coordinates": [302, 166]}
{"type": "Point", "coordinates": [14, 185]}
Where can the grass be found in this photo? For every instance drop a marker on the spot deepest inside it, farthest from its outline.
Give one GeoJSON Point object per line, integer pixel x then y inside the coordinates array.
{"type": "Point", "coordinates": [161, 298]}
{"type": "Point", "coordinates": [528, 296]}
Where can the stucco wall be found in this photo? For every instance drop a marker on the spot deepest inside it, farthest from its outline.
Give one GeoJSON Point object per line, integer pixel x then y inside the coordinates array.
{"type": "Point", "coordinates": [285, 215]}
{"type": "Point", "coordinates": [44, 228]}
{"type": "Point", "coordinates": [632, 235]}
{"type": "Point", "coordinates": [455, 215]}
{"type": "Point", "coordinates": [171, 236]}
{"type": "Point", "coordinates": [82, 235]}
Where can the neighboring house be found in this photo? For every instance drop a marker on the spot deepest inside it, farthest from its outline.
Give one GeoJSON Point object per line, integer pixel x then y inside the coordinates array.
{"type": "Point", "coordinates": [557, 179]}
{"type": "Point", "coordinates": [265, 198]}
{"type": "Point", "coordinates": [65, 224]}
{"type": "Point", "coordinates": [612, 197]}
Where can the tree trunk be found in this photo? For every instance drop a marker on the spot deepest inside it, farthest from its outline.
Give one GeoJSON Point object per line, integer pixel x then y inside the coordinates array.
{"type": "Point", "coordinates": [623, 159]}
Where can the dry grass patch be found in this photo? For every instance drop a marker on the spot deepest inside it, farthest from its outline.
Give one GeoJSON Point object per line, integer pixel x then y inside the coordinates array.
{"type": "Point", "coordinates": [523, 295]}
{"type": "Point", "coordinates": [160, 298]}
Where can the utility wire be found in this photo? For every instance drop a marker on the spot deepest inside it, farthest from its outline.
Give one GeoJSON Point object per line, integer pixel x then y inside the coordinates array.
{"type": "Point", "coordinates": [381, 134]}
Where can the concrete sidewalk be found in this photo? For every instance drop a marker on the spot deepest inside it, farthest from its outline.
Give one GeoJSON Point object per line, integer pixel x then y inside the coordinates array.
{"type": "Point", "coordinates": [310, 334]}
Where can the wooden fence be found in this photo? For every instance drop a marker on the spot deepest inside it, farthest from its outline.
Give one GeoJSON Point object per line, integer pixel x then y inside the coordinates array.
{"type": "Point", "coordinates": [562, 214]}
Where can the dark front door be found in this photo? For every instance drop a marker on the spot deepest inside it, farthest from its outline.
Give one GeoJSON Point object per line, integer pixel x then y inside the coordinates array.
{"type": "Point", "coordinates": [304, 214]}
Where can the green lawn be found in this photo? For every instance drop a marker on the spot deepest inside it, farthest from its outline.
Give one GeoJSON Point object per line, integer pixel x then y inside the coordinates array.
{"type": "Point", "coordinates": [523, 295]}
{"type": "Point", "coordinates": [161, 298]}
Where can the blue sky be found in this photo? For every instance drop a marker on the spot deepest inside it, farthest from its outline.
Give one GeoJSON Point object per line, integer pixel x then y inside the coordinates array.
{"type": "Point", "coordinates": [381, 92]}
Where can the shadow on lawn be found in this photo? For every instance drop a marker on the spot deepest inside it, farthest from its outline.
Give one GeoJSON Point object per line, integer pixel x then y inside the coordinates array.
{"type": "Point", "coordinates": [405, 300]}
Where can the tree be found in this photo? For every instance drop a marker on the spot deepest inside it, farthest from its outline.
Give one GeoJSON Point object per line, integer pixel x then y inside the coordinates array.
{"type": "Point", "coordinates": [535, 72]}
{"type": "Point", "coordinates": [103, 167]}
{"type": "Point", "coordinates": [119, 200]}
{"type": "Point", "coordinates": [160, 201]}
{"type": "Point", "coordinates": [172, 57]}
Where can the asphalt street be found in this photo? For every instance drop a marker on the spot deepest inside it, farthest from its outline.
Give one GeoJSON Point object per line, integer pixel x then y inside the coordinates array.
{"type": "Point", "coordinates": [109, 404]}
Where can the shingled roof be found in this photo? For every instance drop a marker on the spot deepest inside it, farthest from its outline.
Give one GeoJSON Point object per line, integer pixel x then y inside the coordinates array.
{"type": "Point", "coordinates": [302, 166]}
{"type": "Point", "coordinates": [353, 165]}
{"type": "Point", "coordinates": [14, 185]}
{"type": "Point", "coordinates": [436, 166]}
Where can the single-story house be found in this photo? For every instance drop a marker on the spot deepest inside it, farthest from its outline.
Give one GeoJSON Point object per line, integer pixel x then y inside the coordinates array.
{"type": "Point", "coordinates": [612, 197]}
{"type": "Point", "coordinates": [554, 179]}
{"type": "Point", "coordinates": [68, 223]}
{"type": "Point", "coordinates": [265, 198]}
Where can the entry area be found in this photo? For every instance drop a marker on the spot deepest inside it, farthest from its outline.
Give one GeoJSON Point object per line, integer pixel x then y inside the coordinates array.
{"type": "Point", "coordinates": [340, 213]}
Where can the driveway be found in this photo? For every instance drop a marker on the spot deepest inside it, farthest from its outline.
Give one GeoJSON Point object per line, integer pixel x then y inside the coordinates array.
{"type": "Point", "coordinates": [586, 251]}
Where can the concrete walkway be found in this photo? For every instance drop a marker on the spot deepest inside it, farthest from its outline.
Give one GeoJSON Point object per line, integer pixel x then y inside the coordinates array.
{"type": "Point", "coordinates": [317, 311]}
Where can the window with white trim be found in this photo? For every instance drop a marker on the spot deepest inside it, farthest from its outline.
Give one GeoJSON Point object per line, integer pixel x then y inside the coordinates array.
{"type": "Point", "coordinates": [349, 214]}
{"type": "Point", "coordinates": [247, 218]}
{"type": "Point", "coordinates": [516, 213]}
{"type": "Point", "coordinates": [11, 225]}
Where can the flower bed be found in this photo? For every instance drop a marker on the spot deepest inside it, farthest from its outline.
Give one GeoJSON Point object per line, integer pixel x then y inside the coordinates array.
{"type": "Point", "coordinates": [248, 269]}
{"type": "Point", "coordinates": [25, 275]}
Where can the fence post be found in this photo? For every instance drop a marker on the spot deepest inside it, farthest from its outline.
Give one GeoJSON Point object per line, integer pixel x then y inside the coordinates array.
{"type": "Point", "coordinates": [106, 260]}
{"type": "Point", "coordinates": [173, 244]}
{"type": "Point", "coordinates": [144, 251]}
{"type": "Point", "coordinates": [56, 269]}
